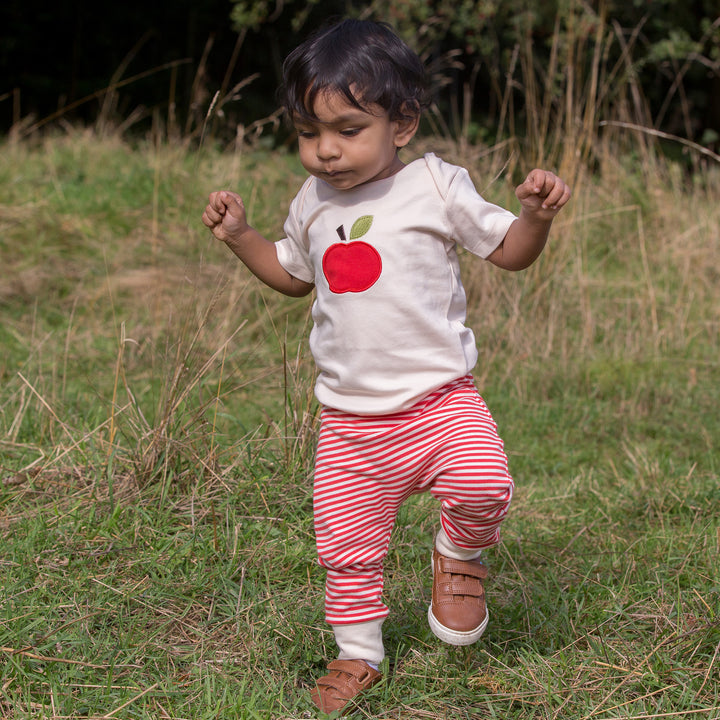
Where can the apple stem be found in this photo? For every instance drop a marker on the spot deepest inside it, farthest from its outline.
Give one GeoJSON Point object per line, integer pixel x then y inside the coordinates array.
{"type": "Point", "coordinates": [341, 233]}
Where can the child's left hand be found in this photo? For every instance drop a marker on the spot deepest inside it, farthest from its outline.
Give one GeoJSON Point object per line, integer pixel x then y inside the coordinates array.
{"type": "Point", "coordinates": [543, 194]}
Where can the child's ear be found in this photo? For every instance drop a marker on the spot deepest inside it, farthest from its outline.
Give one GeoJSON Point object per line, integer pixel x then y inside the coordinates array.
{"type": "Point", "coordinates": [407, 126]}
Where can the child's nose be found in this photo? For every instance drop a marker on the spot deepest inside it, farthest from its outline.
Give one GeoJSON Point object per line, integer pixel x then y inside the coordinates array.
{"type": "Point", "coordinates": [327, 147]}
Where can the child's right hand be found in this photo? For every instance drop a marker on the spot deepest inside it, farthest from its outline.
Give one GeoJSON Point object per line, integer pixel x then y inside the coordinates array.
{"type": "Point", "coordinates": [225, 216]}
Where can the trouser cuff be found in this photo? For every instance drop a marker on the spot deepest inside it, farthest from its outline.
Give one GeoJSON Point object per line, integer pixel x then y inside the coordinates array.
{"type": "Point", "coordinates": [360, 641]}
{"type": "Point", "coordinates": [445, 546]}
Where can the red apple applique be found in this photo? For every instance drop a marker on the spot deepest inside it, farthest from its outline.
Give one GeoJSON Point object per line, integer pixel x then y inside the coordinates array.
{"type": "Point", "coordinates": [352, 266]}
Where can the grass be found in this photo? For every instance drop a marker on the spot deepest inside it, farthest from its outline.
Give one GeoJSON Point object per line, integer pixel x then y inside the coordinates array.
{"type": "Point", "coordinates": [157, 429]}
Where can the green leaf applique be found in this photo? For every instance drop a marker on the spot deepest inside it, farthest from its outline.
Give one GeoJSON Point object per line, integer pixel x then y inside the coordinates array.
{"type": "Point", "coordinates": [360, 226]}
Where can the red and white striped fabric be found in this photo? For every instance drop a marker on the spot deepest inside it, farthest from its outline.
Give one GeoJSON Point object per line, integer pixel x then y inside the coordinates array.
{"type": "Point", "coordinates": [367, 466]}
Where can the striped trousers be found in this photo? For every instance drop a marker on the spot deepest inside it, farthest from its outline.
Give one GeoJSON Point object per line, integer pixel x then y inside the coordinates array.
{"type": "Point", "coordinates": [367, 466]}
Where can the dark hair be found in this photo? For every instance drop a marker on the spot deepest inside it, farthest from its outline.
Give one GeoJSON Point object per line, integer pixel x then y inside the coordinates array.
{"type": "Point", "coordinates": [363, 55]}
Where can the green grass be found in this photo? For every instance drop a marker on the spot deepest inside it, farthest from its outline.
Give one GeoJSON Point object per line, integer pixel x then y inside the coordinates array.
{"type": "Point", "coordinates": [156, 441]}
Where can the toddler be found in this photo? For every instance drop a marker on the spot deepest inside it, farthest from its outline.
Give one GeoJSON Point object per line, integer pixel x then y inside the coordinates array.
{"type": "Point", "coordinates": [376, 239]}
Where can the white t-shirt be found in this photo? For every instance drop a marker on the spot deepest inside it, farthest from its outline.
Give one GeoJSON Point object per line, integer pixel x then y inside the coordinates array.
{"type": "Point", "coordinates": [390, 307]}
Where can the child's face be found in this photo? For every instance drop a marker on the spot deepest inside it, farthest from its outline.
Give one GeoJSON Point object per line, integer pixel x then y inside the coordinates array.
{"type": "Point", "coordinates": [347, 146]}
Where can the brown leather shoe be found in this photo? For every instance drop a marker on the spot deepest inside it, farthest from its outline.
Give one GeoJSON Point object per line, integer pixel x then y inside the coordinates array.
{"type": "Point", "coordinates": [458, 614]}
{"type": "Point", "coordinates": [345, 679]}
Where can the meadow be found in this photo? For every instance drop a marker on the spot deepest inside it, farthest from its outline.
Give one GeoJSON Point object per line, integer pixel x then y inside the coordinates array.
{"type": "Point", "coordinates": [157, 429]}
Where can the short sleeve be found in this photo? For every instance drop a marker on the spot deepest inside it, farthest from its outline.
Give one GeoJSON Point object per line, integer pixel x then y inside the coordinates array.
{"type": "Point", "coordinates": [477, 225]}
{"type": "Point", "coordinates": [292, 251]}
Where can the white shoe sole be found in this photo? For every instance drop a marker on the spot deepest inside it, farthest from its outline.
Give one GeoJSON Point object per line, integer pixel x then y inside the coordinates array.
{"type": "Point", "coordinates": [456, 637]}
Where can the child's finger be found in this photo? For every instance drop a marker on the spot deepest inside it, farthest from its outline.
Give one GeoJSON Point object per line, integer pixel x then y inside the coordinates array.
{"type": "Point", "coordinates": [234, 204]}
{"type": "Point", "coordinates": [558, 195]}
{"type": "Point", "coordinates": [210, 216]}
{"type": "Point", "coordinates": [216, 202]}
{"type": "Point", "coordinates": [545, 181]}
{"type": "Point", "coordinates": [534, 184]}
{"type": "Point", "coordinates": [213, 213]}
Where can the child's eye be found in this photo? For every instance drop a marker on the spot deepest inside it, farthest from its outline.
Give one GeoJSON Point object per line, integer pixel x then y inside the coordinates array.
{"type": "Point", "coordinates": [350, 132]}
{"type": "Point", "coordinates": [305, 134]}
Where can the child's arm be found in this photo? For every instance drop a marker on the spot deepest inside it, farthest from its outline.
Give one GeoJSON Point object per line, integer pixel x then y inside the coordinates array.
{"type": "Point", "coordinates": [542, 195]}
{"type": "Point", "coordinates": [225, 216]}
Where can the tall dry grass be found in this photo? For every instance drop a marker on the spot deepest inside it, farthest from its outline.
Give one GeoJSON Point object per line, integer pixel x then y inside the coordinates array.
{"type": "Point", "coordinates": [628, 272]}
{"type": "Point", "coordinates": [629, 267]}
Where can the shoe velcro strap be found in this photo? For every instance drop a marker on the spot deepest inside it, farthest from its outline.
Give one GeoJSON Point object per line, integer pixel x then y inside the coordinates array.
{"type": "Point", "coordinates": [463, 567]}
{"type": "Point", "coordinates": [361, 672]}
{"type": "Point", "coordinates": [343, 685]}
{"type": "Point", "coordinates": [470, 587]}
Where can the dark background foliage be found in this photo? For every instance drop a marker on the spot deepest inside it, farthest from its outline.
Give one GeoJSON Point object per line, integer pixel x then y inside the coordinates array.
{"type": "Point", "coordinates": [170, 58]}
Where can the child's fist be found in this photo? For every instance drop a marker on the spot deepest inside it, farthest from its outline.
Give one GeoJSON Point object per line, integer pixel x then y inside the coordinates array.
{"type": "Point", "coordinates": [225, 215]}
{"type": "Point", "coordinates": [543, 192]}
